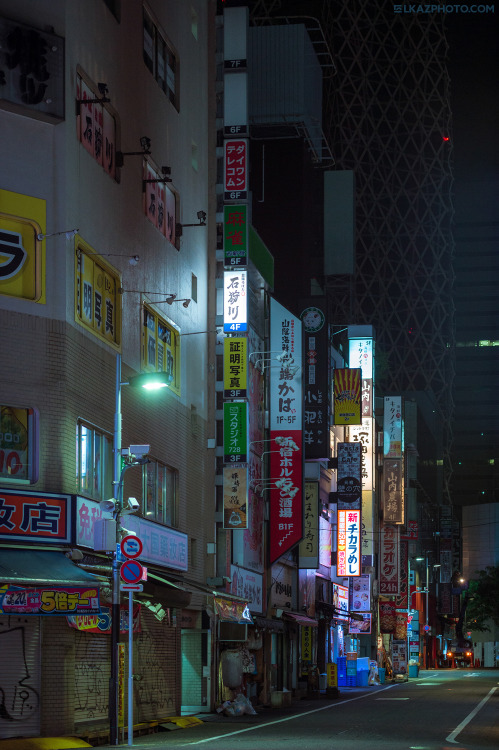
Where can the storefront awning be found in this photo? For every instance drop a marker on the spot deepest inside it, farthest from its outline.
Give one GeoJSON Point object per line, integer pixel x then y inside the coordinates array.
{"type": "Point", "coordinates": [22, 567]}
{"type": "Point", "coordinates": [266, 623]}
{"type": "Point", "coordinates": [301, 619]}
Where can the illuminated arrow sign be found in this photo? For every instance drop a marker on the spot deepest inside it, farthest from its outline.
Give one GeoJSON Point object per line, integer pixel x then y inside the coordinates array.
{"type": "Point", "coordinates": [11, 247]}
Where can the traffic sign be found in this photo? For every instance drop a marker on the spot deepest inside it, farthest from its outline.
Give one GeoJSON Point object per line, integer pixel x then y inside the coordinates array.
{"type": "Point", "coordinates": [131, 571]}
{"type": "Point", "coordinates": [131, 587]}
{"type": "Point", "coordinates": [131, 546]}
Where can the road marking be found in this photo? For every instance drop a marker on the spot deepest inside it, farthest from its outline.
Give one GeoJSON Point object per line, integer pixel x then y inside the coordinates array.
{"type": "Point", "coordinates": [287, 718]}
{"type": "Point", "coordinates": [467, 720]}
{"type": "Point", "coordinates": [428, 683]}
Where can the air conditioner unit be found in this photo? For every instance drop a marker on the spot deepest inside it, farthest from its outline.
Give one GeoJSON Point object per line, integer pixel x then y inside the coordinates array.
{"type": "Point", "coordinates": [232, 631]}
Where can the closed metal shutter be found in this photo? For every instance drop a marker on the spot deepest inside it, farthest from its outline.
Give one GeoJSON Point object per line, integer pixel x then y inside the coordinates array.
{"type": "Point", "coordinates": [20, 676]}
{"type": "Point", "coordinates": [92, 674]}
{"type": "Point", "coordinates": [157, 669]}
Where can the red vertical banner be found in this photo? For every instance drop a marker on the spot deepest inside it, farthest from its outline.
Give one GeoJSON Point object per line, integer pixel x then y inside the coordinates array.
{"type": "Point", "coordinates": [389, 560]}
{"type": "Point", "coordinates": [402, 600]}
{"type": "Point", "coordinates": [286, 432]}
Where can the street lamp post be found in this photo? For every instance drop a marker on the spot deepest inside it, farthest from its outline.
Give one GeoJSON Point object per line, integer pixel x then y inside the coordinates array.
{"type": "Point", "coordinates": [150, 381]}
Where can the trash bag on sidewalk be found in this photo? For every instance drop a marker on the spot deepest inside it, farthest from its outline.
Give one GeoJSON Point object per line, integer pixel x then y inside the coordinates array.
{"type": "Point", "coordinates": [238, 707]}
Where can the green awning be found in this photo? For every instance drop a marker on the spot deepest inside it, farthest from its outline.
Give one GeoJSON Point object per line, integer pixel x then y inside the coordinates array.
{"type": "Point", "coordinates": [40, 567]}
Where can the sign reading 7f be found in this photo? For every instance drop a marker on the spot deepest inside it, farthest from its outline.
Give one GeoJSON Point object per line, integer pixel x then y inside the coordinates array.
{"type": "Point", "coordinates": [12, 254]}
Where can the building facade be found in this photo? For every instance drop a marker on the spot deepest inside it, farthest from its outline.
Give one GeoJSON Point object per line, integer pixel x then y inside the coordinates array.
{"type": "Point", "coordinates": [106, 233]}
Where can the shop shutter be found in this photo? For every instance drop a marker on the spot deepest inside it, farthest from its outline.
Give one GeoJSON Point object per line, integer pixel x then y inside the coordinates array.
{"type": "Point", "coordinates": [92, 674]}
{"type": "Point", "coordinates": [20, 676]}
{"type": "Point", "coordinates": [157, 669]}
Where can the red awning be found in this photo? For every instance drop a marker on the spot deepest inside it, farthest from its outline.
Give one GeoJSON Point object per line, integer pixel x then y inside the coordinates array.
{"type": "Point", "coordinates": [301, 619]}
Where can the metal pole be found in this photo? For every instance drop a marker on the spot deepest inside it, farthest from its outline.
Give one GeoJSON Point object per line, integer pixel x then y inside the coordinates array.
{"type": "Point", "coordinates": [409, 602]}
{"type": "Point", "coordinates": [130, 668]}
{"type": "Point", "coordinates": [115, 612]}
{"type": "Point", "coordinates": [426, 620]}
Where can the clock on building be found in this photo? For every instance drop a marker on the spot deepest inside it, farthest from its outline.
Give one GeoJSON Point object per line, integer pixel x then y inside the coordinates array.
{"type": "Point", "coordinates": [313, 319]}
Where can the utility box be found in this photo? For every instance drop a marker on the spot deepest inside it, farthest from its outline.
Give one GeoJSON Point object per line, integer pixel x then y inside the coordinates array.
{"type": "Point", "coordinates": [105, 535]}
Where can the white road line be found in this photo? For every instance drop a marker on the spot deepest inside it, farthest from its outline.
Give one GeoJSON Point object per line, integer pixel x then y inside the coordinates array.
{"type": "Point", "coordinates": [466, 721]}
{"type": "Point", "coordinates": [287, 718]}
{"type": "Point", "coordinates": [392, 699]}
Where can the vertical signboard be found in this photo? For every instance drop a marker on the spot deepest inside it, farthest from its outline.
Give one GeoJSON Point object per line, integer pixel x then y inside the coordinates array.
{"type": "Point", "coordinates": [235, 367]}
{"type": "Point", "coordinates": [235, 486]}
{"type": "Point", "coordinates": [235, 301]}
{"type": "Point", "coordinates": [235, 432]}
{"type": "Point", "coordinates": [363, 434]}
{"type": "Point", "coordinates": [349, 488]}
{"type": "Point", "coordinates": [360, 354]}
{"type": "Point", "coordinates": [392, 427]}
{"type": "Point", "coordinates": [286, 424]}
{"type": "Point", "coordinates": [316, 382]}
{"type": "Point", "coordinates": [347, 396]}
{"type": "Point", "coordinates": [393, 491]}
{"type": "Point", "coordinates": [309, 546]}
{"type": "Point", "coordinates": [402, 600]}
{"type": "Point", "coordinates": [236, 169]}
{"type": "Point", "coordinates": [389, 560]}
{"type": "Point", "coordinates": [235, 235]}
{"type": "Point", "coordinates": [349, 560]}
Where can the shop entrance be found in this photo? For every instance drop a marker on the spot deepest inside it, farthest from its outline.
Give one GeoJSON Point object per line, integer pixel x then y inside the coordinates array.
{"type": "Point", "coordinates": [196, 671]}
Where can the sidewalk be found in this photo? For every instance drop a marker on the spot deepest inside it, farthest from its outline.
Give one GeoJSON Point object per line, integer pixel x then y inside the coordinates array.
{"type": "Point", "coordinates": [203, 726]}
{"type": "Point", "coordinates": [213, 722]}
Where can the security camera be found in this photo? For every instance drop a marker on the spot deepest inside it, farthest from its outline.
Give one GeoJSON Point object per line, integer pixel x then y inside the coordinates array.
{"type": "Point", "coordinates": [133, 503]}
{"type": "Point", "coordinates": [138, 451]}
{"type": "Point", "coordinates": [108, 505]}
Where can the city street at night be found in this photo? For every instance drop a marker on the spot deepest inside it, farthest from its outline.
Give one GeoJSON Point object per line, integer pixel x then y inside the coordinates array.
{"type": "Point", "coordinates": [436, 711]}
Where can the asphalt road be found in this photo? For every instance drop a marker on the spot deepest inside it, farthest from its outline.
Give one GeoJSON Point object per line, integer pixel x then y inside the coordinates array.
{"type": "Point", "coordinates": [440, 710]}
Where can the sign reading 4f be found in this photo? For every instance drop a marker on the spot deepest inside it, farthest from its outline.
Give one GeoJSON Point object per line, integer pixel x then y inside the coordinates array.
{"type": "Point", "coordinates": [22, 261]}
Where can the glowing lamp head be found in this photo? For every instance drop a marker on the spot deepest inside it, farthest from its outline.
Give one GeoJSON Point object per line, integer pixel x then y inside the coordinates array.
{"type": "Point", "coordinates": [152, 381]}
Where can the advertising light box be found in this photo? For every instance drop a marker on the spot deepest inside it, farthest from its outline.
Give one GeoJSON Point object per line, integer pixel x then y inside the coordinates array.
{"type": "Point", "coordinates": [235, 301]}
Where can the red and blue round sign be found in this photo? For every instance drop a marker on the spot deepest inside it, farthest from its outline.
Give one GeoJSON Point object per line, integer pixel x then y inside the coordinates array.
{"type": "Point", "coordinates": [131, 571]}
{"type": "Point", "coordinates": [131, 546]}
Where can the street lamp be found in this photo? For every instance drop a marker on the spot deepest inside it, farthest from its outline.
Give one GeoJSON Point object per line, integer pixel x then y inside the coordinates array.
{"type": "Point", "coordinates": [136, 456]}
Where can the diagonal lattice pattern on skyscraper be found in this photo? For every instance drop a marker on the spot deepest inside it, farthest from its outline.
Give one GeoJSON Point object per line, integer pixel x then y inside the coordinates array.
{"type": "Point", "coordinates": [387, 115]}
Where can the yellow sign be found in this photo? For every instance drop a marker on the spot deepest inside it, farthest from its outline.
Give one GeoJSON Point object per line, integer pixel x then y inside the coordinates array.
{"type": "Point", "coordinates": [121, 684]}
{"type": "Point", "coordinates": [306, 643]}
{"type": "Point", "coordinates": [235, 367]}
{"type": "Point", "coordinates": [98, 305]}
{"type": "Point", "coordinates": [332, 674]}
{"type": "Point", "coordinates": [22, 255]}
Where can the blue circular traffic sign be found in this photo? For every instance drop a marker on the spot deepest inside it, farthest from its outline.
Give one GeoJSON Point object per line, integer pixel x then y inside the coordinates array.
{"type": "Point", "coordinates": [131, 571]}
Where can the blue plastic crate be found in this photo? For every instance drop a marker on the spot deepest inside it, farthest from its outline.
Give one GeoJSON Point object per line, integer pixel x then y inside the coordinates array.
{"type": "Point", "coordinates": [351, 681]}
{"type": "Point", "coordinates": [342, 680]}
